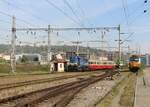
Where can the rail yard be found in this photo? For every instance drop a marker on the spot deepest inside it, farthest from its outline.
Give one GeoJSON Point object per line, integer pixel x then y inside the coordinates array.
{"type": "Point", "coordinates": [54, 89]}
{"type": "Point", "coordinates": [74, 53]}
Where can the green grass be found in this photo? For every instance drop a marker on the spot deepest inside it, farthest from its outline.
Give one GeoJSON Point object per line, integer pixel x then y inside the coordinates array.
{"type": "Point", "coordinates": [127, 97]}
{"type": "Point", "coordinates": [4, 68]}
{"type": "Point", "coordinates": [24, 68]}
{"type": "Point", "coordinates": [107, 100]}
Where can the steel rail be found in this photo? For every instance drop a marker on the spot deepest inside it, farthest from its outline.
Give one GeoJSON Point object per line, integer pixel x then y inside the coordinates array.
{"type": "Point", "coordinates": [47, 93]}
{"type": "Point", "coordinates": [56, 92]}
{"type": "Point", "coordinates": [77, 85]}
{"type": "Point", "coordinates": [38, 81]}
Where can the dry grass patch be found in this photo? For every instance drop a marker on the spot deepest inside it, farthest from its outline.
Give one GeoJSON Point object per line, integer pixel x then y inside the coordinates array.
{"type": "Point", "coordinates": [107, 100]}
{"type": "Point", "coordinates": [127, 97]}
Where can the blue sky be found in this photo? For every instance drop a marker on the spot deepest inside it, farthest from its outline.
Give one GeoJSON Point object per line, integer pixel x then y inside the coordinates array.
{"type": "Point", "coordinates": [90, 13]}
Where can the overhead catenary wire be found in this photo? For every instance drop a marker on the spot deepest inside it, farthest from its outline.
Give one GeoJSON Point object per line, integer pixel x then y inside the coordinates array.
{"type": "Point", "coordinates": [81, 9]}
{"type": "Point", "coordinates": [63, 12]}
{"type": "Point", "coordinates": [139, 7]}
{"type": "Point", "coordinates": [140, 14]}
{"type": "Point", "coordinates": [6, 14]}
{"type": "Point", "coordinates": [23, 10]}
{"type": "Point", "coordinates": [4, 21]}
{"type": "Point", "coordinates": [125, 9]}
{"type": "Point", "coordinates": [124, 5]}
{"type": "Point", "coordinates": [83, 15]}
{"type": "Point", "coordinates": [134, 11]}
{"type": "Point", "coordinates": [73, 11]}
{"type": "Point", "coordinates": [19, 19]}
{"type": "Point", "coordinates": [130, 35]}
{"type": "Point", "coordinates": [131, 17]}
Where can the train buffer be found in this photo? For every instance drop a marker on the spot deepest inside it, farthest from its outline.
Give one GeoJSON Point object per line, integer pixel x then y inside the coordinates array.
{"type": "Point", "coordinates": [142, 90]}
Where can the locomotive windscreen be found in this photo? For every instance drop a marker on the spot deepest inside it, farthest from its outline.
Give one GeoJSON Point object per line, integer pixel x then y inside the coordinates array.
{"type": "Point", "coordinates": [134, 58]}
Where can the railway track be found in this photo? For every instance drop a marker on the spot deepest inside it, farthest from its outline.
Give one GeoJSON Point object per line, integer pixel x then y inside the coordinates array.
{"type": "Point", "coordinates": [36, 97]}
{"type": "Point", "coordinates": [38, 81]}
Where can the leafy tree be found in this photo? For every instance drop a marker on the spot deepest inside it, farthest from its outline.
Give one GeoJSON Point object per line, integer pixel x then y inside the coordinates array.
{"type": "Point", "coordinates": [24, 59]}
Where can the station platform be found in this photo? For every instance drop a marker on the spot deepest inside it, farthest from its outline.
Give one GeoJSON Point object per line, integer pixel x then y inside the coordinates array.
{"type": "Point", "coordinates": [142, 94]}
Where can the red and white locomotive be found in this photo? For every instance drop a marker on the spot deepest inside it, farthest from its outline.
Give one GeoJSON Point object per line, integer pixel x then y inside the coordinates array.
{"type": "Point", "coordinates": [101, 64]}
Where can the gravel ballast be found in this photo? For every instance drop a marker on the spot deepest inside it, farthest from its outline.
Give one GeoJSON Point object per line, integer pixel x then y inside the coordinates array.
{"type": "Point", "coordinates": [91, 95]}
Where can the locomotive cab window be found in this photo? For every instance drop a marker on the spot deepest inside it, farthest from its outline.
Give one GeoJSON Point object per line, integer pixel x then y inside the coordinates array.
{"type": "Point", "coordinates": [134, 59]}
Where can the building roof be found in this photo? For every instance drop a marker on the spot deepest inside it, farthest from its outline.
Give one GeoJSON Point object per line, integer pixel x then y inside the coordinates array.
{"type": "Point", "coordinates": [59, 61]}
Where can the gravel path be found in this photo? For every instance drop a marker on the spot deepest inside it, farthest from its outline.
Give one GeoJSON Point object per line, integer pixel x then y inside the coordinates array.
{"type": "Point", "coordinates": [142, 95]}
{"type": "Point", "coordinates": [88, 96]}
{"type": "Point", "coordinates": [115, 101]}
{"type": "Point", "coordinates": [91, 95]}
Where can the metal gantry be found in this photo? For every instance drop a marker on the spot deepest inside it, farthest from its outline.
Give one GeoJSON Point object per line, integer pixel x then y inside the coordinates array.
{"type": "Point", "coordinates": [50, 29]}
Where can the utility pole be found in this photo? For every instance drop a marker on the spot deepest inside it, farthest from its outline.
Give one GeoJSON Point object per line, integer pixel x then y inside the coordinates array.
{"type": "Point", "coordinates": [119, 45]}
{"type": "Point", "coordinates": [13, 46]}
{"type": "Point", "coordinates": [102, 47]}
{"type": "Point", "coordinates": [129, 52]}
{"type": "Point", "coordinates": [77, 46]}
{"type": "Point", "coordinates": [78, 37]}
{"type": "Point", "coordinates": [49, 49]}
{"type": "Point", "coordinates": [88, 51]}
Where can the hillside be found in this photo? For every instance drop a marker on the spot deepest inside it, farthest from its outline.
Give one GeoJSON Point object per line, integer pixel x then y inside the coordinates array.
{"type": "Point", "coordinates": [43, 49]}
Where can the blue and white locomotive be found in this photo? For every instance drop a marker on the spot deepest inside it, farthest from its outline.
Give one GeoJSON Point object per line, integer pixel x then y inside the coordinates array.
{"type": "Point", "coordinates": [77, 63]}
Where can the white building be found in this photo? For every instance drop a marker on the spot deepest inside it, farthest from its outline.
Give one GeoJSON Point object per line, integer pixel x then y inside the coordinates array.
{"type": "Point", "coordinates": [147, 59]}
{"type": "Point", "coordinates": [58, 63]}
{"type": "Point", "coordinates": [6, 57]}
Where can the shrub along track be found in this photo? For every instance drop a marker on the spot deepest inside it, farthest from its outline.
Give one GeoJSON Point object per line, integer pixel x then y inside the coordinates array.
{"type": "Point", "coordinates": [35, 97]}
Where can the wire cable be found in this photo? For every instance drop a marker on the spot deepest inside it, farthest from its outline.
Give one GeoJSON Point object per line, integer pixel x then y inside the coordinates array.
{"type": "Point", "coordinates": [72, 10]}
{"type": "Point", "coordinates": [4, 21]}
{"type": "Point", "coordinates": [125, 12]}
{"type": "Point", "coordinates": [143, 12]}
{"type": "Point", "coordinates": [137, 9]}
{"type": "Point", "coordinates": [83, 16]}
{"type": "Point", "coordinates": [83, 13]}
{"type": "Point", "coordinates": [19, 19]}
{"type": "Point", "coordinates": [134, 11]}
{"type": "Point", "coordinates": [62, 11]}
{"type": "Point", "coordinates": [23, 10]}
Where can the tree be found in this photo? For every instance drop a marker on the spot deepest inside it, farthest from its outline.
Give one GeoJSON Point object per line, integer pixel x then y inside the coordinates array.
{"type": "Point", "coordinates": [24, 59]}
